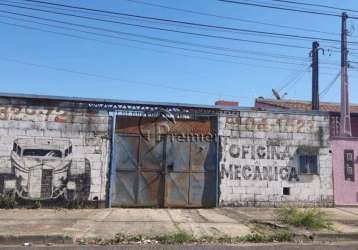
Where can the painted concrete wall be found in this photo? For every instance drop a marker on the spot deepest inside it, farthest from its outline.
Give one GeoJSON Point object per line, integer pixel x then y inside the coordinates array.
{"type": "Point", "coordinates": [260, 154]}
{"type": "Point", "coordinates": [49, 152]}
{"type": "Point", "coordinates": [345, 191]}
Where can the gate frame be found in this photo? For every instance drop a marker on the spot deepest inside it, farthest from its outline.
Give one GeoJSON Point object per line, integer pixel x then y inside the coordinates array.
{"type": "Point", "coordinates": [111, 171]}
{"type": "Point", "coordinates": [193, 115]}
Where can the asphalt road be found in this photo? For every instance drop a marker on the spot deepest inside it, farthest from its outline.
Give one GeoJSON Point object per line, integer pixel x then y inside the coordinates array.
{"type": "Point", "coordinates": [348, 246]}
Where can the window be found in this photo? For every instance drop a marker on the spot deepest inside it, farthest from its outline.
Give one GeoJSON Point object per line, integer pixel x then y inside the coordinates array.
{"type": "Point", "coordinates": [42, 153]}
{"type": "Point", "coordinates": [18, 150]}
{"type": "Point", "coordinates": [349, 165]}
{"type": "Point", "coordinates": [308, 164]}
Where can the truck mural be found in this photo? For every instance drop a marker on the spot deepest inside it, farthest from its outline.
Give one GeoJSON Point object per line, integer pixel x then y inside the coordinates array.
{"type": "Point", "coordinates": [45, 169]}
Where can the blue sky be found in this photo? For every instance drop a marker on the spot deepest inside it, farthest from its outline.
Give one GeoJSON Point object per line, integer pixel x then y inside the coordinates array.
{"type": "Point", "coordinates": [115, 68]}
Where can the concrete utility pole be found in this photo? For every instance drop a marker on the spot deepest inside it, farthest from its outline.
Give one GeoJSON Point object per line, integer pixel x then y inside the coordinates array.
{"type": "Point", "coordinates": [315, 91]}
{"type": "Point", "coordinates": [345, 122]}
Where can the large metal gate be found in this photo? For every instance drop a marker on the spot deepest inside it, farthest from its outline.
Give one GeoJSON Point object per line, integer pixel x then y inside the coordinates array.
{"type": "Point", "coordinates": [172, 169]}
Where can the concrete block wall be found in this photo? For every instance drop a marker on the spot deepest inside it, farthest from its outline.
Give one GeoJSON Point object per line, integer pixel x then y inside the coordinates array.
{"type": "Point", "coordinates": [50, 152]}
{"type": "Point", "coordinates": [259, 157]}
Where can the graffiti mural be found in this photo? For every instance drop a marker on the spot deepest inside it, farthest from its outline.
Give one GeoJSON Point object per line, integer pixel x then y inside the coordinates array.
{"type": "Point", "coordinates": [268, 159]}
{"type": "Point", "coordinates": [258, 163]}
{"type": "Point", "coordinates": [58, 156]}
{"type": "Point", "coordinates": [43, 169]}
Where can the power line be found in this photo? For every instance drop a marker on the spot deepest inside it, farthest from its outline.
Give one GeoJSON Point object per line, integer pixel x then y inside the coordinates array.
{"type": "Point", "coordinates": [111, 78]}
{"type": "Point", "coordinates": [232, 29]}
{"type": "Point", "coordinates": [229, 18]}
{"type": "Point", "coordinates": [280, 8]}
{"type": "Point", "coordinates": [125, 17]}
{"type": "Point", "coordinates": [316, 5]}
{"type": "Point", "coordinates": [286, 8]}
{"type": "Point", "coordinates": [259, 53]}
{"type": "Point", "coordinates": [149, 37]}
{"type": "Point", "coordinates": [156, 44]}
{"type": "Point", "coordinates": [293, 77]}
{"type": "Point", "coordinates": [147, 49]}
{"type": "Point", "coordinates": [294, 82]}
{"type": "Point", "coordinates": [328, 87]}
{"type": "Point", "coordinates": [219, 48]}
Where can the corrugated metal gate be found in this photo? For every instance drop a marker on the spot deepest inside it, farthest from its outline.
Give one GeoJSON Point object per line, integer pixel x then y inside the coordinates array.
{"type": "Point", "coordinates": [171, 168]}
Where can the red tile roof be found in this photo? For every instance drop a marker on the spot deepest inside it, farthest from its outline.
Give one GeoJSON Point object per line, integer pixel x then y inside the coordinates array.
{"type": "Point", "coordinates": [299, 105]}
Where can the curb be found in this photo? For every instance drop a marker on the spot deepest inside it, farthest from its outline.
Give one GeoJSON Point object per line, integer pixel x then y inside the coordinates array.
{"type": "Point", "coordinates": [335, 237]}
{"type": "Point", "coordinates": [35, 239]}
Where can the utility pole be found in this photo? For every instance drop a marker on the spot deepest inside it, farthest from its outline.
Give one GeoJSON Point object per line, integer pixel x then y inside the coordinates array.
{"type": "Point", "coordinates": [315, 91]}
{"type": "Point", "coordinates": [345, 121]}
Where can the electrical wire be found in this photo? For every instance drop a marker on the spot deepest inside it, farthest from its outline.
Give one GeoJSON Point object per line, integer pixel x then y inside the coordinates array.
{"type": "Point", "coordinates": [219, 48]}
{"type": "Point", "coordinates": [232, 29]}
{"type": "Point", "coordinates": [286, 8]}
{"type": "Point", "coordinates": [293, 77]}
{"type": "Point", "coordinates": [329, 86]}
{"type": "Point", "coordinates": [281, 8]}
{"type": "Point", "coordinates": [146, 49]}
{"type": "Point", "coordinates": [316, 5]}
{"type": "Point", "coordinates": [117, 79]}
{"type": "Point", "coordinates": [122, 17]}
{"type": "Point", "coordinates": [149, 37]}
{"type": "Point", "coordinates": [200, 13]}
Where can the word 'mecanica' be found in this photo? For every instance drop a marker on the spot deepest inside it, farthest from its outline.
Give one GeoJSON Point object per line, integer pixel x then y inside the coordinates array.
{"type": "Point", "coordinates": [259, 173]}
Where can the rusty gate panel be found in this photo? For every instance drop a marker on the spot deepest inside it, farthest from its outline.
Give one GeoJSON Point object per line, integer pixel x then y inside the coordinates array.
{"type": "Point", "coordinates": [176, 189]}
{"type": "Point", "coordinates": [164, 170]}
{"type": "Point", "coordinates": [151, 155]}
{"type": "Point", "coordinates": [203, 159]}
{"type": "Point", "coordinates": [128, 150]}
{"type": "Point", "coordinates": [190, 179]}
{"type": "Point", "coordinates": [138, 180]}
{"type": "Point", "coordinates": [126, 153]}
{"type": "Point", "coordinates": [177, 155]}
{"type": "Point", "coordinates": [124, 191]}
{"type": "Point", "coordinates": [202, 192]}
{"type": "Point", "coordinates": [149, 189]}
{"type": "Point", "coordinates": [133, 125]}
{"type": "Point", "coordinates": [203, 156]}
{"type": "Point", "coordinates": [177, 173]}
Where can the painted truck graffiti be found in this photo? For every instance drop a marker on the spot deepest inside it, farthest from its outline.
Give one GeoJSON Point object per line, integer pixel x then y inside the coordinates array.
{"type": "Point", "coordinates": [41, 170]}
{"type": "Point", "coordinates": [53, 152]}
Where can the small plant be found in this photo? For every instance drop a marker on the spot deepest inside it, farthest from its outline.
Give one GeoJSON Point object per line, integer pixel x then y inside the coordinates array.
{"type": "Point", "coordinates": [184, 238]}
{"type": "Point", "coordinates": [278, 236]}
{"type": "Point", "coordinates": [282, 236]}
{"type": "Point", "coordinates": [176, 238]}
{"type": "Point", "coordinates": [308, 218]}
{"type": "Point", "coordinates": [36, 205]}
{"type": "Point", "coordinates": [7, 201]}
{"type": "Point", "coordinates": [76, 204]}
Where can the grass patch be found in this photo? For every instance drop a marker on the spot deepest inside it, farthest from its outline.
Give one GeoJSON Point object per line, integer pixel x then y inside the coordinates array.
{"type": "Point", "coordinates": [311, 218]}
{"type": "Point", "coordinates": [175, 238]}
{"type": "Point", "coordinates": [7, 201]}
{"type": "Point", "coordinates": [184, 238]}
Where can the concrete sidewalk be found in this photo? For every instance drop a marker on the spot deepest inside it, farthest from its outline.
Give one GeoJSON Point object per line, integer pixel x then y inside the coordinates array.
{"type": "Point", "coordinates": [65, 226]}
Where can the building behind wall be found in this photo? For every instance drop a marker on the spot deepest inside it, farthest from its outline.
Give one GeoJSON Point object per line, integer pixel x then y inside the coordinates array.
{"type": "Point", "coordinates": [274, 158]}
{"type": "Point", "coordinates": [345, 152]}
